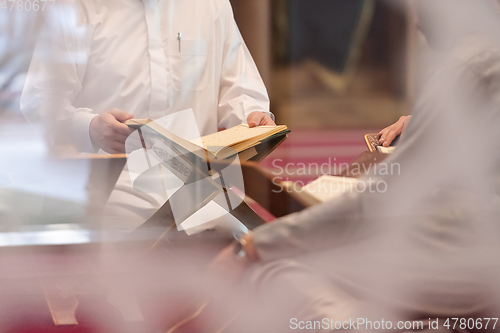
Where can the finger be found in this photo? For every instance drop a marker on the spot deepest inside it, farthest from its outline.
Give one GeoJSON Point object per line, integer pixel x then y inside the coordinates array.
{"type": "Point", "coordinates": [383, 134]}
{"type": "Point", "coordinates": [396, 129]}
{"type": "Point", "coordinates": [390, 136]}
{"type": "Point", "coordinates": [113, 138]}
{"type": "Point", "coordinates": [122, 129]}
{"type": "Point", "coordinates": [120, 115]}
{"type": "Point", "coordinates": [112, 124]}
{"type": "Point", "coordinates": [254, 119]}
{"type": "Point", "coordinates": [120, 137]}
{"type": "Point", "coordinates": [384, 130]}
{"type": "Point", "coordinates": [267, 121]}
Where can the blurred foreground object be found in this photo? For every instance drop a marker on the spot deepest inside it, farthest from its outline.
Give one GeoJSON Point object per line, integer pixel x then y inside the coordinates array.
{"type": "Point", "coordinates": [427, 245]}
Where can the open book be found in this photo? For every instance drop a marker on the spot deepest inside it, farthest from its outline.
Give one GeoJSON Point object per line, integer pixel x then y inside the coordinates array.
{"type": "Point", "coordinates": [328, 187]}
{"type": "Point", "coordinates": [221, 145]}
{"type": "Point", "coordinates": [202, 165]}
{"type": "Point", "coordinates": [322, 189]}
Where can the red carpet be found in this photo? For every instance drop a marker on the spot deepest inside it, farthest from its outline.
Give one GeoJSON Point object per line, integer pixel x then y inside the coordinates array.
{"type": "Point", "coordinates": [307, 154]}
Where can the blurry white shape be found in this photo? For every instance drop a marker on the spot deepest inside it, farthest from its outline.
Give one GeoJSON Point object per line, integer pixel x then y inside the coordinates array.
{"type": "Point", "coordinates": [232, 176]}
{"type": "Point", "coordinates": [148, 173]}
{"type": "Point", "coordinates": [45, 237]}
{"type": "Point", "coordinates": [139, 161]}
{"type": "Point", "coordinates": [26, 166]}
{"type": "Point", "coordinates": [213, 216]}
{"type": "Point", "coordinates": [157, 179]}
{"type": "Point", "coordinates": [183, 124]}
{"type": "Point", "coordinates": [385, 150]}
{"type": "Point", "coordinates": [18, 35]}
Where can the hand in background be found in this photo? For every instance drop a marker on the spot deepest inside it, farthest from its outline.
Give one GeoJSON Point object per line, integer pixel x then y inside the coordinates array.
{"type": "Point", "coordinates": [258, 118]}
{"type": "Point", "coordinates": [389, 133]}
{"type": "Point", "coordinates": [108, 132]}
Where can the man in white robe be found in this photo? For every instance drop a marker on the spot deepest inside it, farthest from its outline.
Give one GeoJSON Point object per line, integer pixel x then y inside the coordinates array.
{"type": "Point", "coordinates": [100, 63]}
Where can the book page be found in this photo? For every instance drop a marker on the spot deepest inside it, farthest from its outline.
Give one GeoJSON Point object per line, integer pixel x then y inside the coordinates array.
{"type": "Point", "coordinates": [235, 135]}
{"type": "Point", "coordinates": [386, 150]}
{"type": "Point", "coordinates": [137, 122]}
{"type": "Point", "coordinates": [328, 187]}
{"type": "Point", "coordinates": [171, 139]}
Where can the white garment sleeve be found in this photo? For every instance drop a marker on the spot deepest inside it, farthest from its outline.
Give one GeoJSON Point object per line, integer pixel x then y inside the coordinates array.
{"type": "Point", "coordinates": [242, 90]}
{"type": "Point", "coordinates": [55, 79]}
{"type": "Point", "coordinates": [327, 225]}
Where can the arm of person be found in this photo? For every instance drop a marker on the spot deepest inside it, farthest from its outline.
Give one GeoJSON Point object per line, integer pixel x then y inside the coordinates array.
{"type": "Point", "coordinates": [323, 226]}
{"type": "Point", "coordinates": [55, 79]}
{"type": "Point", "coordinates": [331, 224]}
{"type": "Point", "coordinates": [388, 134]}
{"type": "Point", "coordinates": [242, 96]}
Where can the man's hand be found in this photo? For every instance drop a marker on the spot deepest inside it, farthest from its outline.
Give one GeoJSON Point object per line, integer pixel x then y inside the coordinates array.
{"type": "Point", "coordinates": [258, 118]}
{"type": "Point", "coordinates": [108, 132]}
{"type": "Point", "coordinates": [389, 133]}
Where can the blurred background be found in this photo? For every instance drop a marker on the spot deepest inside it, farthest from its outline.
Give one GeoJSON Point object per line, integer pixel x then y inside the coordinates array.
{"type": "Point", "coordinates": [335, 70]}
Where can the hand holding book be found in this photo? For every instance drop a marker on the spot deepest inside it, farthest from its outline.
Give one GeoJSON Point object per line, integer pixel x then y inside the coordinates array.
{"type": "Point", "coordinates": [258, 118]}
{"type": "Point", "coordinates": [108, 131]}
{"type": "Point", "coordinates": [388, 134]}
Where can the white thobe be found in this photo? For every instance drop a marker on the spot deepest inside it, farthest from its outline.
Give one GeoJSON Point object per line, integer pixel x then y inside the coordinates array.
{"type": "Point", "coordinates": [127, 54]}
{"type": "Point", "coordinates": [149, 58]}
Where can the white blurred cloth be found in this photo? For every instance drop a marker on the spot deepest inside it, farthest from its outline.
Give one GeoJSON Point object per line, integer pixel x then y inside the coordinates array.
{"type": "Point", "coordinates": [429, 245]}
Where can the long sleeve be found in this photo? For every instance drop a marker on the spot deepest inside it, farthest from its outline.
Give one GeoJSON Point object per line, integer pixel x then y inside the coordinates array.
{"type": "Point", "coordinates": [429, 201]}
{"type": "Point", "coordinates": [55, 79]}
{"type": "Point", "coordinates": [331, 224]}
{"type": "Point", "coordinates": [242, 90]}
